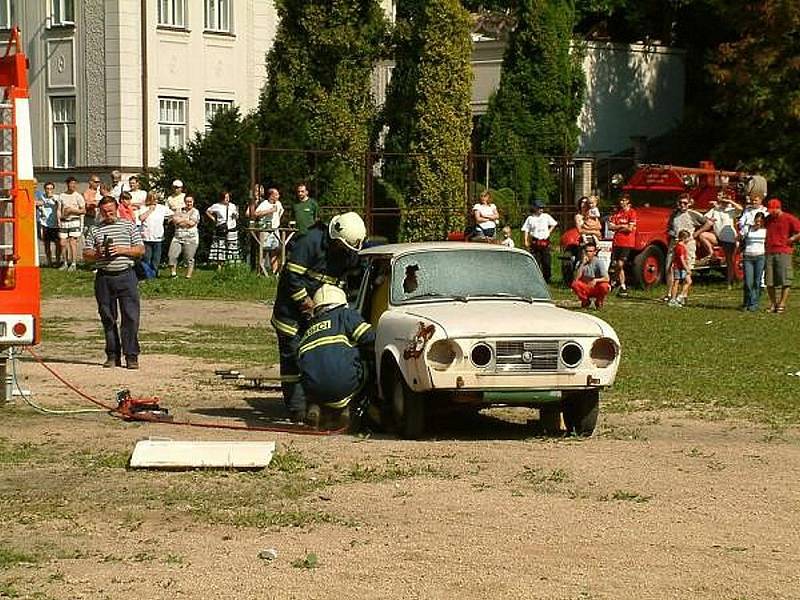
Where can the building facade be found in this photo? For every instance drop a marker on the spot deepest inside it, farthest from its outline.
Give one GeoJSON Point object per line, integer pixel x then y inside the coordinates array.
{"type": "Point", "coordinates": [113, 82]}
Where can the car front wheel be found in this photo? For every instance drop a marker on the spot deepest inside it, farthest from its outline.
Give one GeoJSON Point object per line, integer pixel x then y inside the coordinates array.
{"type": "Point", "coordinates": [408, 408]}
{"type": "Point", "coordinates": [580, 410]}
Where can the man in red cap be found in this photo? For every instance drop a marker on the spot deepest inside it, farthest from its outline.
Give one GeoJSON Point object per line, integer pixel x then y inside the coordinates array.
{"type": "Point", "coordinates": [783, 230]}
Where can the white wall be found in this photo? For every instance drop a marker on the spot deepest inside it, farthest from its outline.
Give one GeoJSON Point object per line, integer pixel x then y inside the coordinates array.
{"type": "Point", "coordinates": [631, 91]}
{"type": "Point", "coordinates": [197, 65]}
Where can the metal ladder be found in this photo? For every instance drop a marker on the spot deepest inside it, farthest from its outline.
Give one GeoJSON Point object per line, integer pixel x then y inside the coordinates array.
{"type": "Point", "coordinates": [8, 182]}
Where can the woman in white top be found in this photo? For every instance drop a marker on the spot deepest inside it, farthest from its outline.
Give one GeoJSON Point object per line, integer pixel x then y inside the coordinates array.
{"type": "Point", "coordinates": [152, 218]}
{"type": "Point", "coordinates": [186, 238]}
{"type": "Point", "coordinates": [225, 244]}
{"type": "Point", "coordinates": [753, 258]}
{"type": "Point", "coordinates": [486, 215]}
{"type": "Point", "coordinates": [269, 213]}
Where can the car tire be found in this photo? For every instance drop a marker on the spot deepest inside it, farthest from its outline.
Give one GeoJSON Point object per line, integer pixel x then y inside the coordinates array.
{"type": "Point", "coordinates": [408, 408]}
{"type": "Point", "coordinates": [648, 267]}
{"type": "Point", "coordinates": [550, 419]}
{"type": "Point", "coordinates": [580, 410]}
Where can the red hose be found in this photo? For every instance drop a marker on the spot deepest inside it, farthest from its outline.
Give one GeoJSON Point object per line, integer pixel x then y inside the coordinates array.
{"type": "Point", "coordinates": [114, 411]}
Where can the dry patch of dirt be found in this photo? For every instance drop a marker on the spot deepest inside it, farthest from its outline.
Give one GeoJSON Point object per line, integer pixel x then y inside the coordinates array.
{"type": "Point", "coordinates": [655, 505]}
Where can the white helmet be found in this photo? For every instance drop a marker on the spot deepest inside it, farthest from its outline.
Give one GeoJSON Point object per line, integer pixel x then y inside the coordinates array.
{"type": "Point", "coordinates": [329, 296]}
{"type": "Point", "coordinates": [350, 229]}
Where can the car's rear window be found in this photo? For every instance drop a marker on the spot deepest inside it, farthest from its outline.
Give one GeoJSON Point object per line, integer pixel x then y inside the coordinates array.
{"type": "Point", "coordinates": [466, 274]}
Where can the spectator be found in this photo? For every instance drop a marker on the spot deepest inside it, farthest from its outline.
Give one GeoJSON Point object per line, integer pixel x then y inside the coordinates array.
{"type": "Point", "coordinates": [693, 222]}
{"type": "Point", "coordinates": [114, 245]}
{"type": "Point", "coordinates": [269, 213]}
{"type": "Point", "coordinates": [723, 215]}
{"type": "Point", "coordinates": [681, 274]}
{"type": "Point", "coordinates": [508, 241]}
{"type": "Point", "coordinates": [225, 244]}
{"type": "Point", "coordinates": [152, 219]}
{"type": "Point", "coordinates": [125, 209]}
{"type": "Point", "coordinates": [91, 196]}
{"type": "Point", "coordinates": [587, 220]}
{"type": "Point", "coordinates": [486, 216]}
{"type": "Point", "coordinates": [176, 199]}
{"type": "Point", "coordinates": [591, 278]}
{"type": "Point", "coordinates": [186, 239]}
{"type": "Point", "coordinates": [783, 230]}
{"type": "Point", "coordinates": [755, 206]}
{"type": "Point", "coordinates": [623, 224]}
{"type": "Point", "coordinates": [46, 218]}
{"type": "Point", "coordinates": [753, 258]}
{"type": "Point", "coordinates": [117, 185]}
{"type": "Point", "coordinates": [138, 195]}
{"type": "Point", "coordinates": [70, 211]}
{"type": "Point", "coordinates": [305, 212]}
{"type": "Point", "coordinates": [536, 231]}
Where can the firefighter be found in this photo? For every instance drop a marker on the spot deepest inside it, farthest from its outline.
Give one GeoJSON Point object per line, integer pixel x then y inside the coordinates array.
{"type": "Point", "coordinates": [322, 255]}
{"type": "Point", "coordinates": [334, 357]}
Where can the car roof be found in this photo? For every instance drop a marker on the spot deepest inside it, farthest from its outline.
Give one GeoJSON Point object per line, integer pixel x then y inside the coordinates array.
{"type": "Point", "coordinates": [399, 249]}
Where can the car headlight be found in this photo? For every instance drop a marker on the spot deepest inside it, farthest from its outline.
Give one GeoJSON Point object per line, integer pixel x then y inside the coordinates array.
{"type": "Point", "coordinates": [604, 352]}
{"type": "Point", "coordinates": [571, 354]}
{"type": "Point", "coordinates": [481, 354]}
{"type": "Point", "coordinates": [442, 354]}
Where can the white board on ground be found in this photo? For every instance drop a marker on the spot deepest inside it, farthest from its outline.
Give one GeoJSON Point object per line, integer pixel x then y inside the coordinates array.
{"type": "Point", "coordinates": [175, 454]}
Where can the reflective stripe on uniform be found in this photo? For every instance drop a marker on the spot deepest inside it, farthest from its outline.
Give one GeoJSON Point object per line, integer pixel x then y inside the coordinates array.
{"type": "Point", "coordinates": [322, 277]}
{"type": "Point", "coordinates": [283, 327]}
{"type": "Point", "coordinates": [324, 341]}
{"type": "Point", "coordinates": [290, 378]}
{"type": "Point", "coordinates": [299, 294]}
{"type": "Point", "coordinates": [360, 330]}
{"type": "Point", "coordinates": [340, 403]}
{"type": "Point", "coordinates": [295, 268]}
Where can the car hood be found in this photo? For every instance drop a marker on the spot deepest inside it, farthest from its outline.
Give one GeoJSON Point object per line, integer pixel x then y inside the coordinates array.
{"type": "Point", "coordinates": [487, 318]}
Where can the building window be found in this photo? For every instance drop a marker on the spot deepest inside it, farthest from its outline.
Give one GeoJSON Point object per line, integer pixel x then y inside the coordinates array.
{"type": "Point", "coordinates": [64, 146]}
{"type": "Point", "coordinates": [63, 12]}
{"type": "Point", "coordinates": [218, 15]}
{"type": "Point", "coordinates": [213, 107]}
{"type": "Point", "coordinates": [172, 13]}
{"type": "Point", "coordinates": [171, 122]}
{"type": "Point", "coordinates": [5, 14]}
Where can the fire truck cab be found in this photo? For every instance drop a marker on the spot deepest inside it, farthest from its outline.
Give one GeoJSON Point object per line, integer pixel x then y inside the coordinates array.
{"type": "Point", "coordinates": [19, 261]}
{"type": "Point", "coordinates": [654, 190]}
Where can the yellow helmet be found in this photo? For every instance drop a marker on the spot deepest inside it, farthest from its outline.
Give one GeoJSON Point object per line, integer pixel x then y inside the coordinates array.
{"type": "Point", "coordinates": [350, 229]}
{"type": "Point", "coordinates": [330, 296]}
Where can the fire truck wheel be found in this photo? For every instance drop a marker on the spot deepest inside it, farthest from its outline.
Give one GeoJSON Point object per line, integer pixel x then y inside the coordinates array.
{"type": "Point", "coordinates": [648, 267]}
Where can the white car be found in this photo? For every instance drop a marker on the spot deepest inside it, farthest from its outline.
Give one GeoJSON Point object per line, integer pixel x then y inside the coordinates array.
{"type": "Point", "coordinates": [474, 324]}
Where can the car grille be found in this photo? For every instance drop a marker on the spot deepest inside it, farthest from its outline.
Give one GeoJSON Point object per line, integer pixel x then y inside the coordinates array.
{"type": "Point", "coordinates": [509, 355]}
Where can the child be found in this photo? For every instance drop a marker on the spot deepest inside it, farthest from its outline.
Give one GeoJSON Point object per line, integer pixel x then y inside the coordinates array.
{"type": "Point", "coordinates": [680, 271]}
{"type": "Point", "coordinates": [507, 241]}
{"type": "Point", "coordinates": [334, 356]}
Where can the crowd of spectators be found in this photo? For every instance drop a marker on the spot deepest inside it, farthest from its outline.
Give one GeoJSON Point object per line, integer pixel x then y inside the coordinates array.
{"type": "Point", "coordinates": [167, 226]}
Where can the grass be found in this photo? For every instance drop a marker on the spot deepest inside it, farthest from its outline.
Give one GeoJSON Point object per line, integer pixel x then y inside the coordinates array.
{"type": "Point", "coordinates": [10, 557]}
{"type": "Point", "coordinates": [249, 345]}
{"type": "Point", "coordinates": [708, 358]}
{"type": "Point", "coordinates": [310, 561]}
{"type": "Point", "coordinates": [233, 282]}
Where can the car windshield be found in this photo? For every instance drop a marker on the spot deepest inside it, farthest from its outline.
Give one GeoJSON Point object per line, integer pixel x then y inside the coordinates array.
{"type": "Point", "coordinates": [466, 274]}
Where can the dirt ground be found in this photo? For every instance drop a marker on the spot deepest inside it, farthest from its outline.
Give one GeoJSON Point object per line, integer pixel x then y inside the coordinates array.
{"type": "Point", "coordinates": [655, 505]}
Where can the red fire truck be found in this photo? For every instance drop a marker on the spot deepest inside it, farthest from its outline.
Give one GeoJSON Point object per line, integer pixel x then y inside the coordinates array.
{"type": "Point", "coordinates": [654, 190]}
{"type": "Point", "coordinates": [19, 260]}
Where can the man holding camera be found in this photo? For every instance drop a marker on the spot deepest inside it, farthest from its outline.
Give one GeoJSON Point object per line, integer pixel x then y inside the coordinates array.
{"type": "Point", "coordinates": [113, 245]}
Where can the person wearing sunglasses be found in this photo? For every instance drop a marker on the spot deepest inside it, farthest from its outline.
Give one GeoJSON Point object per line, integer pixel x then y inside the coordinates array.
{"type": "Point", "coordinates": [684, 218]}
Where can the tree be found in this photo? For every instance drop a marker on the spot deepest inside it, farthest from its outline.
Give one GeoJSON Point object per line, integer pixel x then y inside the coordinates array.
{"type": "Point", "coordinates": [758, 80]}
{"type": "Point", "coordinates": [318, 92]}
{"type": "Point", "coordinates": [212, 162]}
{"type": "Point", "coordinates": [428, 116]}
{"type": "Point", "coordinates": [533, 114]}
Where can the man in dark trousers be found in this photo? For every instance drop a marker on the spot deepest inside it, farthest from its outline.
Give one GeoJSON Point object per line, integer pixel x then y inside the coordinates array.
{"type": "Point", "coordinates": [323, 255]}
{"type": "Point", "coordinates": [334, 356]}
{"type": "Point", "coordinates": [113, 245]}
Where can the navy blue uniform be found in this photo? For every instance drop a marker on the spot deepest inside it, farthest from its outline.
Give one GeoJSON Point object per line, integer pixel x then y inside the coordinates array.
{"type": "Point", "coordinates": [330, 356]}
{"type": "Point", "coordinates": [310, 264]}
